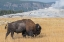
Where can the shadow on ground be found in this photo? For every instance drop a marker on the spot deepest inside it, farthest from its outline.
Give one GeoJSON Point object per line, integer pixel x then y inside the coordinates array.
{"type": "Point", "coordinates": [39, 36]}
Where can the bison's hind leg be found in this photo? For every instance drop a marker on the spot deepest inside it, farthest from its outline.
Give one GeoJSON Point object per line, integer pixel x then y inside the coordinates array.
{"type": "Point", "coordinates": [12, 33]}
{"type": "Point", "coordinates": [8, 32]}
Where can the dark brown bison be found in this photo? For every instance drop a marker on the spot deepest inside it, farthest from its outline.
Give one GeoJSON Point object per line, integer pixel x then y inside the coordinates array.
{"type": "Point", "coordinates": [24, 26]}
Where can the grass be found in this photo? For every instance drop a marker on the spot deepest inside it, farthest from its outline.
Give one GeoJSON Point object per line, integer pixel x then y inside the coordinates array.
{"type": "Point", "coordinates": [52, 30]}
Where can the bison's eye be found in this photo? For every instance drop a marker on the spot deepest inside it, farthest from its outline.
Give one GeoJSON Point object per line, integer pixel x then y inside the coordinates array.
{"type": "Point", "coordinates": [38, 26]}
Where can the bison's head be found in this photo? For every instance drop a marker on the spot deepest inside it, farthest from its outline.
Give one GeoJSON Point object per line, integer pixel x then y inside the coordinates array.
{"type": "Point", "coordinates": [38, 29]}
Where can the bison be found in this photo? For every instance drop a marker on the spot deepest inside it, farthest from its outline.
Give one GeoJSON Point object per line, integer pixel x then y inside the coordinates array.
{"type": "Point", "coordinates": [24, 26]}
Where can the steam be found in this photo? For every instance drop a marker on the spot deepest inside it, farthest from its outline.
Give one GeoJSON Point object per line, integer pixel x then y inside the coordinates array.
{"type": "Point", "coordinates": [58, 4]}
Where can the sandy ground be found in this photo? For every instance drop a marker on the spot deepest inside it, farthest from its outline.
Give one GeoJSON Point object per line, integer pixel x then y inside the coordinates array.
{"type": "Point", "coordinates": [52, 30]}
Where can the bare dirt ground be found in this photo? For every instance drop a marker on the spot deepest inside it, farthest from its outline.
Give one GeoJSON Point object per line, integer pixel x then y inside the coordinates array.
{"type": "Point", "coordinates": [52, 30]}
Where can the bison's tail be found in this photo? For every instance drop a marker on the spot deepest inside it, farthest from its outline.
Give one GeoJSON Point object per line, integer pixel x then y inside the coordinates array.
{"type": "Point", "coordinates": [6, 26]}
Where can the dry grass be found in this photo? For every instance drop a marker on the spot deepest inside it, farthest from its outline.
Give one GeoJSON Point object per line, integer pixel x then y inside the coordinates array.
{"type": "Point", "coordinates": [52, 31]}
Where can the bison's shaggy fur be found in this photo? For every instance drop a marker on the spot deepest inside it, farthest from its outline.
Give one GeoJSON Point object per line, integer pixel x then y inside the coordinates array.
{"type": "Point", "coordinates": [24, 26]}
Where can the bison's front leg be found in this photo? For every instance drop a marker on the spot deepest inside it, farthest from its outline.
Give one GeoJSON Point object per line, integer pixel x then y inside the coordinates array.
{"type": "Point", "coordinates": [12, 33]}
{"type": "Point", "coordinates": [30, 33]}
{"type": "Point", "coordinates": [24, 33]}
